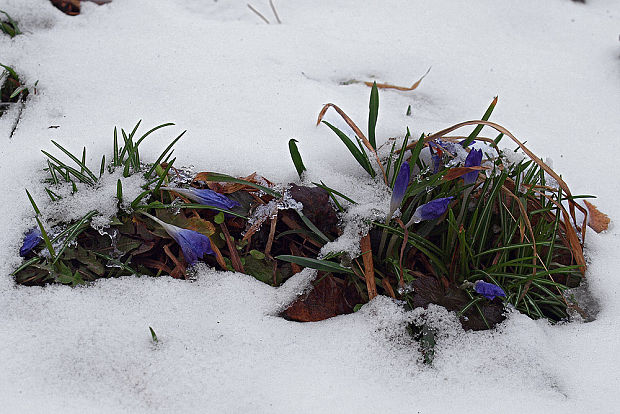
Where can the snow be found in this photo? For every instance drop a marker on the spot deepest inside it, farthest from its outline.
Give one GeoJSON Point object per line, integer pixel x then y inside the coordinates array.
{"type": "Point", "coordinates": [242, 89]}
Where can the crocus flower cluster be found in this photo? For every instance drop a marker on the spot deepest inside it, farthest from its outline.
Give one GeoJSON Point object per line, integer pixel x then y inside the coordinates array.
{"type": "Point", "coordinates": [474, 159]}
{"type": "Point", "coordinates": [431, 210]}
{"type": "Point", "coordinates": [206, 196]}
{"type": "Point", "coordinates": [193, 244]}
{"type": "Point", "coordinates": [488, 290]}
{"type": "Point", "coordinates": [400, 187]}
{"type": "Point", "coordinates": [31, 240]}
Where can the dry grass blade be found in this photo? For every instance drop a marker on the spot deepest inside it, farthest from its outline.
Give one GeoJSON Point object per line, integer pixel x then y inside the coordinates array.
{"type": "Point", "coordinates": [388, 288]}
{"type": "Point", "coordinates": [369, 270]}
{"type": "Point", "coordinates": [355, 129]}
{"type": "Point", "coordinates": [399, 88]}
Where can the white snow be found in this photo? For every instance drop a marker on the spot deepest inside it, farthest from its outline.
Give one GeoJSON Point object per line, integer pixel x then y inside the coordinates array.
{"type": "Point", "coordinates": [242, 89]}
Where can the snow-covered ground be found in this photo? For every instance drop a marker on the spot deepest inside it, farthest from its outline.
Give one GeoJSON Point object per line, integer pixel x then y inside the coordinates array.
{"type": "Point", "coordinates": [242, 88]}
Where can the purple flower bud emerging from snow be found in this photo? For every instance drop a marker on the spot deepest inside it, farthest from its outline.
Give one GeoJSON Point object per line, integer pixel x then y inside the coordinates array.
{"type": "Point", "coordinates": [31, 240]}
{"type": "Point", "coordinates": [463, 142]}
{"type": "Point", "coordinates": [474, 159]}
{"type": "Point", "coordinates": [488, 290]}
{"type": "Point", "coordinates": [431, 210]}
{"type": "Point", "coordinates": [400, 187]}
{"type": "Point", "coordinates": [193, 244]}
{"type": "Point", "coordinates": [206, 197]}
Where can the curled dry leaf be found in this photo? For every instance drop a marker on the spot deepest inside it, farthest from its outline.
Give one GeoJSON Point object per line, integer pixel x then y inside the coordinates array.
{"type": "Point", "coordinates": [399, 88]}
{"type": "Point", "coordinates": [457, 172]}
{"type": "Point", "coordinates": [70, 7]}
{"type": "Point", "coordinates": [597, 221]}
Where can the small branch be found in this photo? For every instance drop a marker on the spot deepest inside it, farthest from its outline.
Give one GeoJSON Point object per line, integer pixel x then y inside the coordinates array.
{"type": "Point", "coordinates": [275, 13]}
{"type": "Point", "coordinates": [234, 255]}
{"type": "Point", "coordinates": [369, 270]}
{"type": "Point", "coordinates": [258, 13]}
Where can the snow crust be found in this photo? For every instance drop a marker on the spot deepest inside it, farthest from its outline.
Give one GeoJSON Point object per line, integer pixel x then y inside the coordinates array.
{"type": "Point", "coordinates": [242, 89]}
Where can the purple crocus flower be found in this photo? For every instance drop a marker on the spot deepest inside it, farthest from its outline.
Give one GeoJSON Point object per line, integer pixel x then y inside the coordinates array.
{"type": "Point", "coordinates": [431, 210]}
{"type": "Point", "coordinates": [206, 197]}
{"type": "Point", "coordinates": [474, 159]}
{"type": "Point", "coordinates": [400, 187]}
{"type": "Point", "coordinates": [193, 244]}
{"type": "Point", "coordinates": [488, 290]}
{"type": "Point", "coordinates": [31, 240]}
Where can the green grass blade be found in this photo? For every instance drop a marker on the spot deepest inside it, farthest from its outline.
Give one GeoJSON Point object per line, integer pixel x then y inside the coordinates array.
{"type": "Point", "coordinates": [360, 157]}
{"type": "Point", "coordinates": [81, 164]}
{"type": "Point", "coordinates": [162, 155]}
{"type": "Point", "coordinates": [296, 157]}
{"type": "Point", "coordinates": [373, 113]}
{"type": "Point", "coordinates": [478, 128]}
{"type": "Point", "coordinates": [312, 227]}
{"type": "Point", "coordinates": [150, 131]}
{"type": "Point", "coordinates": [317, 264]}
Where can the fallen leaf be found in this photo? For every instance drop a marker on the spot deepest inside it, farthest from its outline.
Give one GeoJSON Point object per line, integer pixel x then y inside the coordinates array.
{"type": "Point", "coordinates": [329, 298]}
{"type": "Point", "coordinates": [70, 7]}
{"type": "Point", "coordinates": [597, 220]}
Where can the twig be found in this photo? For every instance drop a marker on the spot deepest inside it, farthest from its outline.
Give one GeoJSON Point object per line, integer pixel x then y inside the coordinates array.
{"type": "Point", "coordinates": [275, 13]}
{"type": "Point", "coordinates": [272, 233]}
{"type": "Point", "coordinates": [234, 255]}
{"type": "Point", "coordinates": [258, 13]}
{"type": "Point", "coordinates": [369, 270]}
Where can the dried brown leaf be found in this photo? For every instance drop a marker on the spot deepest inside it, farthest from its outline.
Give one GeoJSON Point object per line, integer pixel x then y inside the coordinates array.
{"type": "Point", "coordinates": [399, 88]}
{"type": "Point", "coordinates": [598, 221]}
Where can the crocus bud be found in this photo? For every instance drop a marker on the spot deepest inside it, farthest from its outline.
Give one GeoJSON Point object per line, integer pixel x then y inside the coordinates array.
{"type": "Point", "coordinates": [400, 187]}
{"type": "Point", "coordinates": [31, 240]}
{"type": "Point", "coordinates": [431, 210]}
{"type": "Point", "coordinates": [206, 197]}
{"type": "Point", "coordinates": [474, 159]}
{"type": "Point", "coordinates": [488, 290]}
{"type": "Point", "coordinates": [193, 244]}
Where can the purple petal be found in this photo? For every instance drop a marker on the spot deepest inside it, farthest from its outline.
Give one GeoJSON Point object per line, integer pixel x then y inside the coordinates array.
{"type": "Point", "coordinates": [436, 163]}
{"type": "Point", "coordinates": [193, 244]}
{"type": "Point", "coordinates": [207, 197]}
{"type": "Point", "coordinates": [488, 290]}
{"type": "Point", "coordinates": [31, 240]}
{"type": "Point", "coordinates": [400, 186]}
{"type": "Point", "coordinates": [432, 210]}
{"type": "Point", "coordinates": [474, 159]}
{"type": "Point", "coordinates": [471, 143]}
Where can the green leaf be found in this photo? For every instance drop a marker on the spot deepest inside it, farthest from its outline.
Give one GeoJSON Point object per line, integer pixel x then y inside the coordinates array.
{"type": "Point", "coordinates": [299, 165]}
{"type": "Point", "coordinates": [153, 335]}
{"type": "Point", "coordinates": [373, 113]}
{"type": "Point", "coordinates": [162, 155]}
{"type": "Point", "coordinates": [257, 255]}
{"type": "Point", "coordinates": [119, 190]}
{"type": "Point", "coordinates": [219, 218]}
{"type": "Point", "coordinates": [477, 130]}
{"type": "Point", "coordinates": [318, 264]}
{"type": "Point", "coordinates": [359, 156]}
{"type": "Point", "coordinates": [312, 227]}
